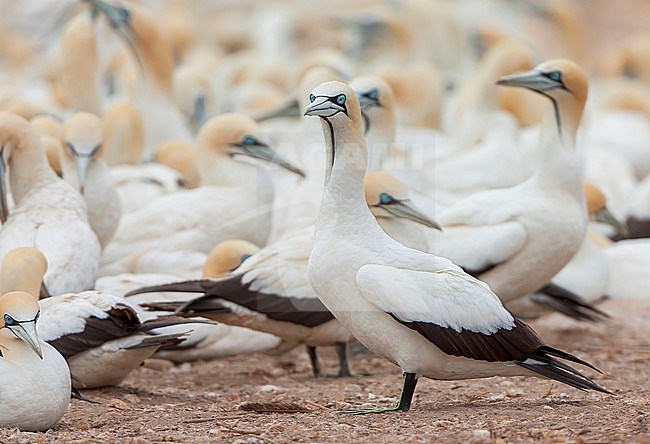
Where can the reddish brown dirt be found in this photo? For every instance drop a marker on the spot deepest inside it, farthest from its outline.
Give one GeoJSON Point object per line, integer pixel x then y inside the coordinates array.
{"type": "Point", "coordinates": [201, 402]}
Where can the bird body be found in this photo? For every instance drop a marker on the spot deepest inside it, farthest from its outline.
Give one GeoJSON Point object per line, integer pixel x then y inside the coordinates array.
{"type": "Point", "coordinates": [49, 214]}
{"type": "Point", "coordinates": [34, 377]}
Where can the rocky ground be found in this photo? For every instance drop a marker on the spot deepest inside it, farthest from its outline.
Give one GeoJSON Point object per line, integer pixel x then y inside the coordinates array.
{"type": "Point", "coordinates": [203, 401]}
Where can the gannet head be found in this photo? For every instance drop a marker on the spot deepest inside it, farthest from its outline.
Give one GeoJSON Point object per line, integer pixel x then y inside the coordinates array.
{"type": "Point", "coordinates": [23, 269]}
{"type": "Point", "coordinates": [388, 197]}
{"type": "Point", "coordinates": [562, 81]}
{"type": "Point", "coordinates": [376, 99]}
{"type": "Point", "coordinates": [597, 209]}
{"type": "Point", "coordinates": [193, 94]}
{"type": "Point", "coordinates": [630, 59]}
{"type": "Point", "coordinates": [238, 135]}
{"type": "Point", "coordinates": [124, 137]}
{"type": "Point", "coordinates": [82, 137]}
{"type": "Point", "coordinates": [226, 257]}
{"type": "Point", "coordinates": [20, 312]}
{"type": "Point", "coordinates": [336, 103]}
{"type": "Point", "coordinates": [180, 156]}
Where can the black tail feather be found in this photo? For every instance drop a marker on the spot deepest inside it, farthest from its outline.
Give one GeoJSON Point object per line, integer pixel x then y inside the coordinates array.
{"type": "Point", "coordinates": [568, 303]}
{"type": "Point", "coordinates": [196, 286]}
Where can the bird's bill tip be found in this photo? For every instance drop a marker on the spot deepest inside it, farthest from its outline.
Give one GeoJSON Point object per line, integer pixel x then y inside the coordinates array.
{"type": "Point", "coordinates": [607, 217]}
{"type": "Point", "coordinates": [26, 332]}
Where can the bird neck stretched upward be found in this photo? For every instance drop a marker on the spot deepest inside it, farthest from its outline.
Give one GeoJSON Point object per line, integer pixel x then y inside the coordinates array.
{"type": "Point", "coordinates": [344, 201]}
{"type": "Point", "coordinates": [559, 163]}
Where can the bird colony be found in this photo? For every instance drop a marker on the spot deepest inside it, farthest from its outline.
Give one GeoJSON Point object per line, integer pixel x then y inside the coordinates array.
{"type": "Point", "coordinates": [195, 180]}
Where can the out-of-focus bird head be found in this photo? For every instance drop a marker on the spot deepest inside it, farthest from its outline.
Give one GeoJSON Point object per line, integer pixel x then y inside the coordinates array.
{"type": "Point", "coordinates": [236, 135]}
{"type": "Point", "coordinates": [83, 142]}
{"type": "Point", "coordinates": [388, 197]}
{"type": "Point", "coordinates": [226, 257]}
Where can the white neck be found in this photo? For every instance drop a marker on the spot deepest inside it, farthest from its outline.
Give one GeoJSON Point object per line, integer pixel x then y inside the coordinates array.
{"type": "Point", "coordinates": [559, 163]}
{"type": "Point", "coordinates": [343, 208]}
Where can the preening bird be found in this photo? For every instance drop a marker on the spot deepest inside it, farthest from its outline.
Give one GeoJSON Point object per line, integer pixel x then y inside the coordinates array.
{"type": "Point", "coordinates": [417, 310]}
{"type": "Point", "coordinates": [49, 214]}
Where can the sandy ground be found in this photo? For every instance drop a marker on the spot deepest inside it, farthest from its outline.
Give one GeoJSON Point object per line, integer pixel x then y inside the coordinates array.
{"type": "Point", "coordinates": [202, 402]}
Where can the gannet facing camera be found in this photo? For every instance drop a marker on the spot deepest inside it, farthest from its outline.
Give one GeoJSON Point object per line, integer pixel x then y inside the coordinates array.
{"type": "Point", "coordinates": [419, 311]}
{"type": "Point", "coordinates": [34, 377]}
{"type": "Point", "coordinates": [85, 169]}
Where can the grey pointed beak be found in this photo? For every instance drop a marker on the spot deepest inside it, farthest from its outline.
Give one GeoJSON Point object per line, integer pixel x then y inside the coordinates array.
{"type": "Point", "coordinates": [83, 165]}
{"type": "Point", "coordinates": [535, 80]}
{"type": "Point", "coordinates": [323, 108]}
{"type": "Point", "coordinates": [289, 109]}
{"type": "Point", "coordinates": [404, 210]}
{"type": "Point", "coordinates": [4, 207]}
{"type": "Point", "coordinates": [82, 162]}
{"type": "Point", "coordinates": [200, 114]}
{"type": "Point", "coordinates": [366, 102]}
{"type": "Point", "coordinates": [264, 152]}
{"type": "Point", "coordinates": [605, 216]}
{"type": "Point", "coordinates": [26, 332]}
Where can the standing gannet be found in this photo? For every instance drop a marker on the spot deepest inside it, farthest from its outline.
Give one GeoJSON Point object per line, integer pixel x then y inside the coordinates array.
{"type": "Point", "coordinates": [49, 214]}
{"type": "Point", "coordinates": [85, 169]}
{"type": "Point", "coordinates": [234, 200]}
{"type": "Point", "coordinates": [34, 377]}
{"type": "Point", "coordinates": [418, 310]}
{"type": "Point", "coordinates": [516, 239]}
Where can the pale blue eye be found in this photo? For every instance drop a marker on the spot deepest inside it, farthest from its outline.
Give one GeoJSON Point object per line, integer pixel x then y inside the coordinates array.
{"type": "Point", "coordinates": [9, 320]}
{"type": "Point", "coordinates": [312, 97]}
{"type": "Point", "coordinates": [244, 257]}
{"type": "Point", "coordinates": [249, 140]}
{"type": "Point", "coordinates": [555, 75]}
{"type": "Point", "coordinates": [341, 99]}
{"type": "Point", "coordinates": [385, 198]}
{"type": "Point", "coordinates": [373, 94]}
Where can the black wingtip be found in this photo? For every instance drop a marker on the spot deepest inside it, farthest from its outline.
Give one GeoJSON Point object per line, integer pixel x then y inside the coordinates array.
{"type": "Point", "coordinates": [568, 356]}
{"type": "Point", "coordinates": [568, 303]}
{"type": "Point", "coordinates": [196, 286]}
{"type": "Point", "coordinates": [543, 362]}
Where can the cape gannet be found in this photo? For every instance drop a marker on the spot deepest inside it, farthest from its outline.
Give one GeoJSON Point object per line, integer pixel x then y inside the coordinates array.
{"type": "Point", "coordinates": [85, 169]}
{"type": "Point", "coordinates": [516, 239]}
{"type": "Point", "coordinates": [234, 200]}
{"type": "Point", "coordinates": [418, 310]}
{"type": "Point", "coordinates": [49, 214]}
{"type": "Point", "coordinates": [34, 377]}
